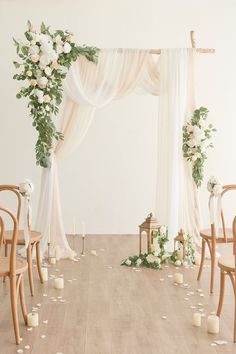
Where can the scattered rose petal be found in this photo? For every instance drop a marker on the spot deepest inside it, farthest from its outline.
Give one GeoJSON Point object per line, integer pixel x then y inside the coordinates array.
{"type": "Point", "coordinates": [93, 253]}
{"type": "Point", "coordinates": [202, 295]}
{"type": "Point", "coordinates": [110, 267]}
{"type": "Point", "coordinates": [170, 276]}
{"type": "Point", "coordinates": [199, 290]}
{"type": "Point", "coordinates": [200, 304]}
{"type": "Point", "coordinates": [191, 292]}
{"type": "Point", "coordinates": [54, 300]}
{"type": "Point", "coordinates": [39, 305]}
{"type": "Point", "coordinates": [83, 255]}
{"type": "Point", "coordinates": [192, 307]}
{"type": "Point", "coordinates": [43, 336]}
{"type": "Point", "coordinates": [220, 342]}
{"type": "Point", "coordinates": [29, 329]}
{"type": "Point", "coordinates": [201, 310]}
{"type": "Point", "coordinates": [69, 280]}
{"type": "Point", "coordinates": [213, 344]}
{"type": "Point", "coordinates": [45, 295]}
{"type": "Point", "coordinates": [161, 279]}
{"type": "Point", "coordinates": [186, 298]}
{"type": "Point", "coordinates": [166, 266]}
{"type": "Point", "coordinates": [62, 300]}
{"type": "Point", "coordinates": [27, 346]}
{"type": "Point", "coordinates": [59, 297]}
{"type": "Point", "coordinates": [138, 270]}
{"type": "Point", "coordinates": [176, 284]}
{"type": "Point", "coordinates": [20, 351]}
{"type": "Point", "coordinates": [164, 317]}
{"type": "Point", "coordinates": [185, 285]}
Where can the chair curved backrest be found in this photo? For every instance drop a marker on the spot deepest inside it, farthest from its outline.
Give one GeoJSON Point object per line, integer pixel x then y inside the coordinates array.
{"type": "Point", "coordinates": [226, 189]}
{"type": "Point", "coordinates": [4, 211]}
{"type": "Point", "coordinates": [13, 189]}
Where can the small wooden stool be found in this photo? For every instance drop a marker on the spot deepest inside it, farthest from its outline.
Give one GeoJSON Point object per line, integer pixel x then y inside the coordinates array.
{"type": "Point", "coordinates": [149, 225]}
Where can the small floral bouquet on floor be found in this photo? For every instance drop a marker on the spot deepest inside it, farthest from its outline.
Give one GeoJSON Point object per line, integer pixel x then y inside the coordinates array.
{"type": "Point", "coordinates": [196, 140]}
{"type": "Point", "coordinates": [156, 255]}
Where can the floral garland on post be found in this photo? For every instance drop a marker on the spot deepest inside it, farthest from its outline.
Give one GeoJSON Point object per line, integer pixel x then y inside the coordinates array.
{"type": "Point", "coordinates": [156, 257]}
{"type": "Point", "coordinates": [46, 57]}
{"type": "Point", "coordinates": [196, 136]}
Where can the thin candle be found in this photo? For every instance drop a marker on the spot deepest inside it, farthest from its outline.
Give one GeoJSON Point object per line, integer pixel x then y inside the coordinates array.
{"type": "Point", "coordinates": [49, 233]}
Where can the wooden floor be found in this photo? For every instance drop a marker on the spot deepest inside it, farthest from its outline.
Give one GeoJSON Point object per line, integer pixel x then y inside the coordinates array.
{"type": "Point", "coordinates": [117, 310]}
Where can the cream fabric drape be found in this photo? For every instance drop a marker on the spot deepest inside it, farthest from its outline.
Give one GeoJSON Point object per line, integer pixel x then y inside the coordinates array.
{"type": "Point", "coordinates": [177, 201]}
{"type": "Point", "coordinates": [89, 87]}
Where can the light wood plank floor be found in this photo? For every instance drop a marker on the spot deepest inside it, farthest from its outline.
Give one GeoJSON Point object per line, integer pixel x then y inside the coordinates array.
{"type": "Point", "coordinates": [111, 309]}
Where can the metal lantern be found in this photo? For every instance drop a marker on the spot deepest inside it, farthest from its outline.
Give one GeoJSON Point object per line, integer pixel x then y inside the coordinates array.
{"type": "Point", "coordinates": [181, 240]}
{"type": "Point", "coordinates": [149, 226]}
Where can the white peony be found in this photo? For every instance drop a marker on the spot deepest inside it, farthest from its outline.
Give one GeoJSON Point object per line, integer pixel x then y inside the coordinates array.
{"type": "Point", "coordinates": [34, 49]}
{"type": "Point", "coordinates": [43, 82]}
{"type": "Point", "coordinates": [39, 93]}
{"type": "Point", "coordinates": [67, 48]}
{"type": "Point", "coordinates": [40, 100]}
{"type": "Point", "coordinates": [138, 262]}
{"type": "Point", "coordinates": [44, 61]}
{"type": "Point", "coordinates": [128, 262]}
{"type": "Point", "coordinates": [152, 259]}
{"type": "Point", "coordinates": [48, 71]}
{"type": "Point", "coordinates": [26, 188]}
{"type": "Point", "coordinates": [165, 256]}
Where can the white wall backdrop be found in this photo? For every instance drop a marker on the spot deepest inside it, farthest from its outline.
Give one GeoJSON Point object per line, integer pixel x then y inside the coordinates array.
{"type": "Point", "coordinates": [110, 181]}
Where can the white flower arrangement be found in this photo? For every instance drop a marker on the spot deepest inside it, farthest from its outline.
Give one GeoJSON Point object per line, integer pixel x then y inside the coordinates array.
{"type": "Point", "coordinates": [196, 140]}
{"type": "Point", "coordinates": [214, 186]}
{"type": "Point", "coordinates": [156, 255]}
{"type": "Point", "coordinates": [45, 59]}
{"type": "Point", "coordinates": [26, 188]}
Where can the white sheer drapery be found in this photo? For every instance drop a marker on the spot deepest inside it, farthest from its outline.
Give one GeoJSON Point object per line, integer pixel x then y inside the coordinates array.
{"type": "Point", "coordinates": [88, 87]}
{"type": "Point", "coordinates": [177, 200]}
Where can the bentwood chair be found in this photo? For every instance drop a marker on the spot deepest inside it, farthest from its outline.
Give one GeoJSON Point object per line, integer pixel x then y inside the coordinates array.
{"type": "Point", "coordinates": [35, 238]}
{"type": "Point", "coordinates": [14, 268]}
{"type": "Point", "coordinates": [210, 238]}
{"type": "Point", "coordinates": [227, 266]}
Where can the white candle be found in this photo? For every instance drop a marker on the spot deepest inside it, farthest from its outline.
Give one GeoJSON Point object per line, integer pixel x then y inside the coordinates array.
{"type": "Point", "coordinates": [178, 278]}
{"type": "Point", "coordinates": [197, 319]}
{"type": "Point", "coordinates": [53, 260]}
{"type": "Point", "coordinates": [59, 283]}
{"type": "Point", "coordinates": [33, 319]}
{"type": "Point", "coordinates": [213, 324]}
{"type": "Point", "coordinates": [57, 253]}
{"type": "Point", "coordinates": [83, 228]}
{"type": "Point", "coordinates": [44, 271]}
{"type": "Point", "coordinates": [49, 233]}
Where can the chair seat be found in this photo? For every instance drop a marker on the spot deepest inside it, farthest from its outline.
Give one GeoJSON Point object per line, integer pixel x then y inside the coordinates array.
{"type": "Point", "coordinates": [220, 237]}
{"type": "Point", "coordinates": [227, 263]}
{"type": "Point", "coordinates": [34, 236]}
{"type": "Point", "coordinates": [21, 266]}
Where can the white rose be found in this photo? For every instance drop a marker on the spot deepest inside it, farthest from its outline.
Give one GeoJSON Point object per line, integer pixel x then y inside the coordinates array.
{"type": "Point", "coordinates": [53, 55]}
{"type": "Point", "coordinates": [67, 48]}
{"type": "Point", "coordinates": [44, 60]}
{"type": "Point", "coordinates": [139, 262]}
{"type": "Point", "coordinates": [33, 82]}
{"type": "Point", "coordinates": [178, 263]}
{"type": "Point", "coordinates": [29, 73]}
{"type": "Point", "coordinates": [39, 93]}
{"type": "Point", "coordinates": [46, 98]}
{"type": "Point", "coordinates": [128, 262]}
{"type": "Point", "coordinates": [43, 82]}
{"type": "Point", "coordinates": [40, 100]}
{"type": "Point", "coordinates": [34, 49]}
{"type": "Point", "coordinates": [35, 58]}
{"type": "Point", "coordinates": [47, 108]}
{"type": "Point", "coordinates": [217, 189]}
{"type": "Point", "coordinates": [26, 187]}
{"type": "Point", "coordinates": [59, 48]}
{"type": "Point", "coordinates": [48, 71]}
{"type": "Point", "coordinates": [202, 123]}
{"type": "Point", "coordinates": [55, 65]}
{"type": "Point", "coordinates": [162, 229]}
{"type": "Point", "coordinates": [150, 258]}
{"type": "Point", "coordinates": [189, 128]}
{"type": "Point", "coordinates": [58, 39]}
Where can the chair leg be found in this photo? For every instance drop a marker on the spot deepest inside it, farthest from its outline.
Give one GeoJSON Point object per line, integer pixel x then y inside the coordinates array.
{"type": "Point", "coordinates": [30, 269]}
{"type": "Point", "coordinates": [6, 253]}
{"type": "Point", "coordinates": [213, 260]}
{"type": "Point", "coordinates": [13, 296]}
{"type": "Point", "coordinates": [39, 262]}
{"type": "Point", "coordinates": [202, 259]}
{"type": "Point", "coordinates": [222, 291]}
{"type": "Point", "coordinates": [235, 309]}
{"type": "Point", "coordinates": [22, 299]}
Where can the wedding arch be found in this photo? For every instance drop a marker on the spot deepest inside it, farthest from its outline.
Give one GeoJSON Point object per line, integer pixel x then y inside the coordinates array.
{"type": "Point", "coordinates": [117, 73]}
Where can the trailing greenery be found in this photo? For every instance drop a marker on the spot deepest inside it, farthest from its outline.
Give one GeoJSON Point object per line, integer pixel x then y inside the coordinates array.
{"type": "Point", "coordinates": [196, 136]}
{"type": "Point", "coordinates": [45, 59]}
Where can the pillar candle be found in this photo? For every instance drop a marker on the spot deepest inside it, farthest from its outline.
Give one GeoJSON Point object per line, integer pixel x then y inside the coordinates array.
{"type": "Point", "coordinates": [197, 319]}
{"type": "Point", "coordinates": [53, 260]}
{"type": "Point", "coordinates": [213, 324]}
{"type": "Point", "coordinates": [44, 271]}
{"type": "Point", "coordinates": [178, 278]}
{"type": "Point", "coordinates": [59, 283]}
{"type": "Point", "coordinates": [33, 319]}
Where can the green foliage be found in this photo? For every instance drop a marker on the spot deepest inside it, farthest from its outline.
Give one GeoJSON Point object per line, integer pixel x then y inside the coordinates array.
{"type": "Point", "coordinates": [196, 136]}
{"type": "Point", "coordinates": [189, 257]}
{"type": "Point", "coordinates": [44, 80]}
